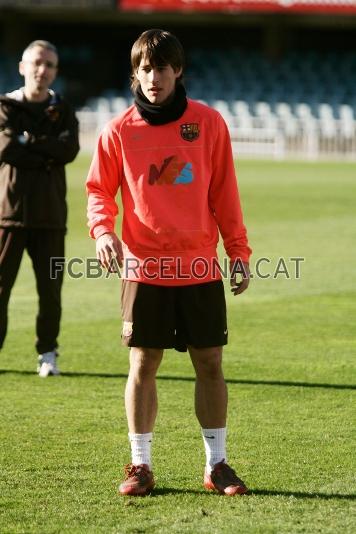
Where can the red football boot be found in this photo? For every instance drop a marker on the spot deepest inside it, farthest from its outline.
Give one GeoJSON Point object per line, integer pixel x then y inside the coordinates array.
{"type": "Point", "coordinates": [138, 480]}
{"type": "Point", "coordinates": [224, 480]}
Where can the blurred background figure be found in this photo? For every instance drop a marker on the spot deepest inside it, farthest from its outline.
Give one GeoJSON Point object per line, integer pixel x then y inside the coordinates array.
{"type": "Point", "coordinates": [38, 136]}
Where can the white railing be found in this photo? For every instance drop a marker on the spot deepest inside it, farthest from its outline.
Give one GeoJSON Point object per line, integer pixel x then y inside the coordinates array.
{"type": "Point", "coordinates": [311, 140]}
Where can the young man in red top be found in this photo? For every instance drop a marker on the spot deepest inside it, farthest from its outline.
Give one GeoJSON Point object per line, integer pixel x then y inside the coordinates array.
{"type": "Point", "coordinates": [171, 159]}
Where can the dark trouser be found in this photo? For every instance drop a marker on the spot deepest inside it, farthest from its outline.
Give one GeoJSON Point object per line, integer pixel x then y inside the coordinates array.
{"type": "Point", "coordinates": [41, 245]}
{"type": "Point", "coordinates": [163, 317]}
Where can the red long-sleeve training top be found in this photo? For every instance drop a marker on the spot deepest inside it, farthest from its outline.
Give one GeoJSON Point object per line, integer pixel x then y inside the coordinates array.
{"type": "Point", "coordinates": [178, 188]}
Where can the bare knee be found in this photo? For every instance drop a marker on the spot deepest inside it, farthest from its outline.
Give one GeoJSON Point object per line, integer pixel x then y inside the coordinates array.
{"type": "Point", "coordinates": [207, 362]}
{"type": "Point", "coordinates": [144, 363]}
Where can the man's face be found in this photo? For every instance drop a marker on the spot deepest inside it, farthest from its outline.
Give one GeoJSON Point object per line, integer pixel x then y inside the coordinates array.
{"type": "Point", "coordinates": [157, 82]}
{"type": "Point", "coordinates": [39, 68]}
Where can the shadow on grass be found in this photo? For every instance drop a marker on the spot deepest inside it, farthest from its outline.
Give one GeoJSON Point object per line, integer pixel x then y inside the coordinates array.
{"type": "Point", "coordinates": [157, 492]}
{"type": "Point", "coordinates": [304, 495]}
{"type": "Point", "coordinates": [192, 379]}
{"type": "Point", "coordinates": [175, 491]}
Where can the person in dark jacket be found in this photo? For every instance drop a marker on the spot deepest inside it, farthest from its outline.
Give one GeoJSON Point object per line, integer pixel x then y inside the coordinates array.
{"type": "Point", "coordinates": [38, 136]}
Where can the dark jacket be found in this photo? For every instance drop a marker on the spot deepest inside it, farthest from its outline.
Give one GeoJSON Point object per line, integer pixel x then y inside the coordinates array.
{"type": "Point", "coordinates": [32, 175]}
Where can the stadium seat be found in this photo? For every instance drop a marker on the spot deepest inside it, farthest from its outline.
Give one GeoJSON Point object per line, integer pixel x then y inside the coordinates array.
{"type": "Point", "coordinates": [299, 94]}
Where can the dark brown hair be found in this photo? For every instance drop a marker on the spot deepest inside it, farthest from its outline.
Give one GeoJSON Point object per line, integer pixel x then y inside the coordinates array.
{"type": "Point", "coordinates": [160, 48]}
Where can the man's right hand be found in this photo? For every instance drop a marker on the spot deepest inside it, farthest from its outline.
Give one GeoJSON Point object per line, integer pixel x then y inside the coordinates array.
{"type": "Point", "coordinates": [109, 251]}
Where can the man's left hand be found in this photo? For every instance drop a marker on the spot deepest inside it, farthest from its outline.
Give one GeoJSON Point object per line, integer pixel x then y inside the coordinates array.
{"type": "Point", "coordinates": [239, 277]}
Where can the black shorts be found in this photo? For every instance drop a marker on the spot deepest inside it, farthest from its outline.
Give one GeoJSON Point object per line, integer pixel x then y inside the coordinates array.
{"type": "Point", "coordinates": [164, 317]}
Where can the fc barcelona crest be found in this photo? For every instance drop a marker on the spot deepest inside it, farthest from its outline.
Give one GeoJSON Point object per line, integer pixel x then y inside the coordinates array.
{"type": "Point", "coordinates": [190, 131]}
{"type": "Point", "coordinates": [52, 113]}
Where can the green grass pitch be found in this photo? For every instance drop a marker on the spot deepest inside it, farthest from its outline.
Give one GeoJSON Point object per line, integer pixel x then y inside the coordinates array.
{"type": "Point", "coordinates": [289, 367]}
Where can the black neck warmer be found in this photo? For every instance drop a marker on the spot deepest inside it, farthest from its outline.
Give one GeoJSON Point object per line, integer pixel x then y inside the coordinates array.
{"type": "Point", "coordinates": [161, 114]}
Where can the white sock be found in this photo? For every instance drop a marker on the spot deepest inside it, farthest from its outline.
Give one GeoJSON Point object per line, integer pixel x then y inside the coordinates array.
{"type": "Point", "coordinates": [215, 446]}
{"type": "Point", "coordinates": [141, 448]}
